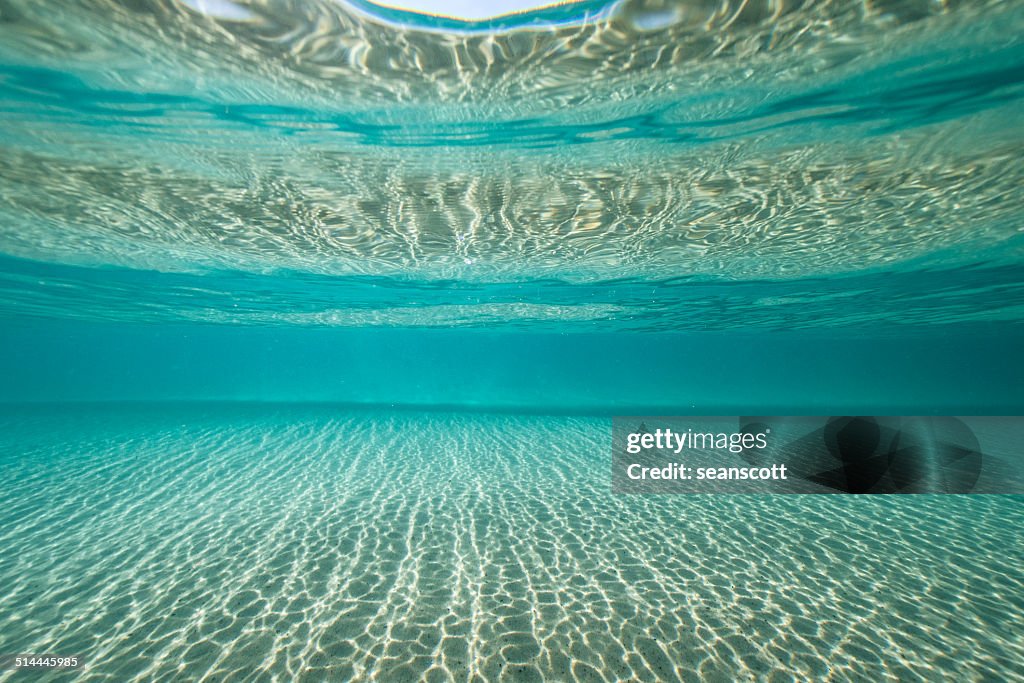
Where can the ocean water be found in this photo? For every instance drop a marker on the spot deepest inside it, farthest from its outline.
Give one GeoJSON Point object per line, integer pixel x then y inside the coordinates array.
{"type": "Point", "coordinates": [314, 314]}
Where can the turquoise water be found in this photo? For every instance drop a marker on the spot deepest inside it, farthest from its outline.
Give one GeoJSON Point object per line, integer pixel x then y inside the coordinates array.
{"type": "Point", "coordinates": [313, 315]}
{"type": "Point", "coordinates": [241, 201]}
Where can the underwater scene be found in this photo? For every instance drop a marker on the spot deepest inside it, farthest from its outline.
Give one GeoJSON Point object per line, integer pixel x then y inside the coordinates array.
{"type": "Point", "coordinates": [315, 317]}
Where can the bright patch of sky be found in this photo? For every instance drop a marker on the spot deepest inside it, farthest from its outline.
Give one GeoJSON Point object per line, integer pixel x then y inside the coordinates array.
{"type": "Point", "coordinates": [467, 10]}
{"type": "Point", "coordinates": [470, 10]}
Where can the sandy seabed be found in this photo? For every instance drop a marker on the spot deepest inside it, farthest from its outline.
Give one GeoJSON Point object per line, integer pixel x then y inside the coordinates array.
{"type": "Point", "coordinates": [227, 543]}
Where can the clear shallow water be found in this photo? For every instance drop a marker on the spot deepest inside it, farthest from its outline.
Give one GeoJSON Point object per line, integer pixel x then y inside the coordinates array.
{"type": "Point", "coordinates": [732, 208]}
{"type": "Point", "coordinates": [228, 543]}
{"type": "Point", "coordinates": [668, 168]}
{"type": "Point", "coordinates": [842, 180]}
{"type": "Point", "coordinates": [972, 371]}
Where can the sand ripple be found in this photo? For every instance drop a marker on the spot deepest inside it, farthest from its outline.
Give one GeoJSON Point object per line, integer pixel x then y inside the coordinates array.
{"type": "Point", "coordinates": [218, 544]}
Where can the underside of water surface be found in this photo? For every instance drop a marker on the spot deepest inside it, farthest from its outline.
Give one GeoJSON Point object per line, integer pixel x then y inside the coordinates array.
{"type": "Point", "coordinates": [761, 165]}
{"type": "Point", "coordinates": [313, 314]}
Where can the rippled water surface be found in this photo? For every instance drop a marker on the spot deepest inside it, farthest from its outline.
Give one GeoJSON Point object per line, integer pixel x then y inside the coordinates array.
{"type": "Point", "coordinates": [758, 163]}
